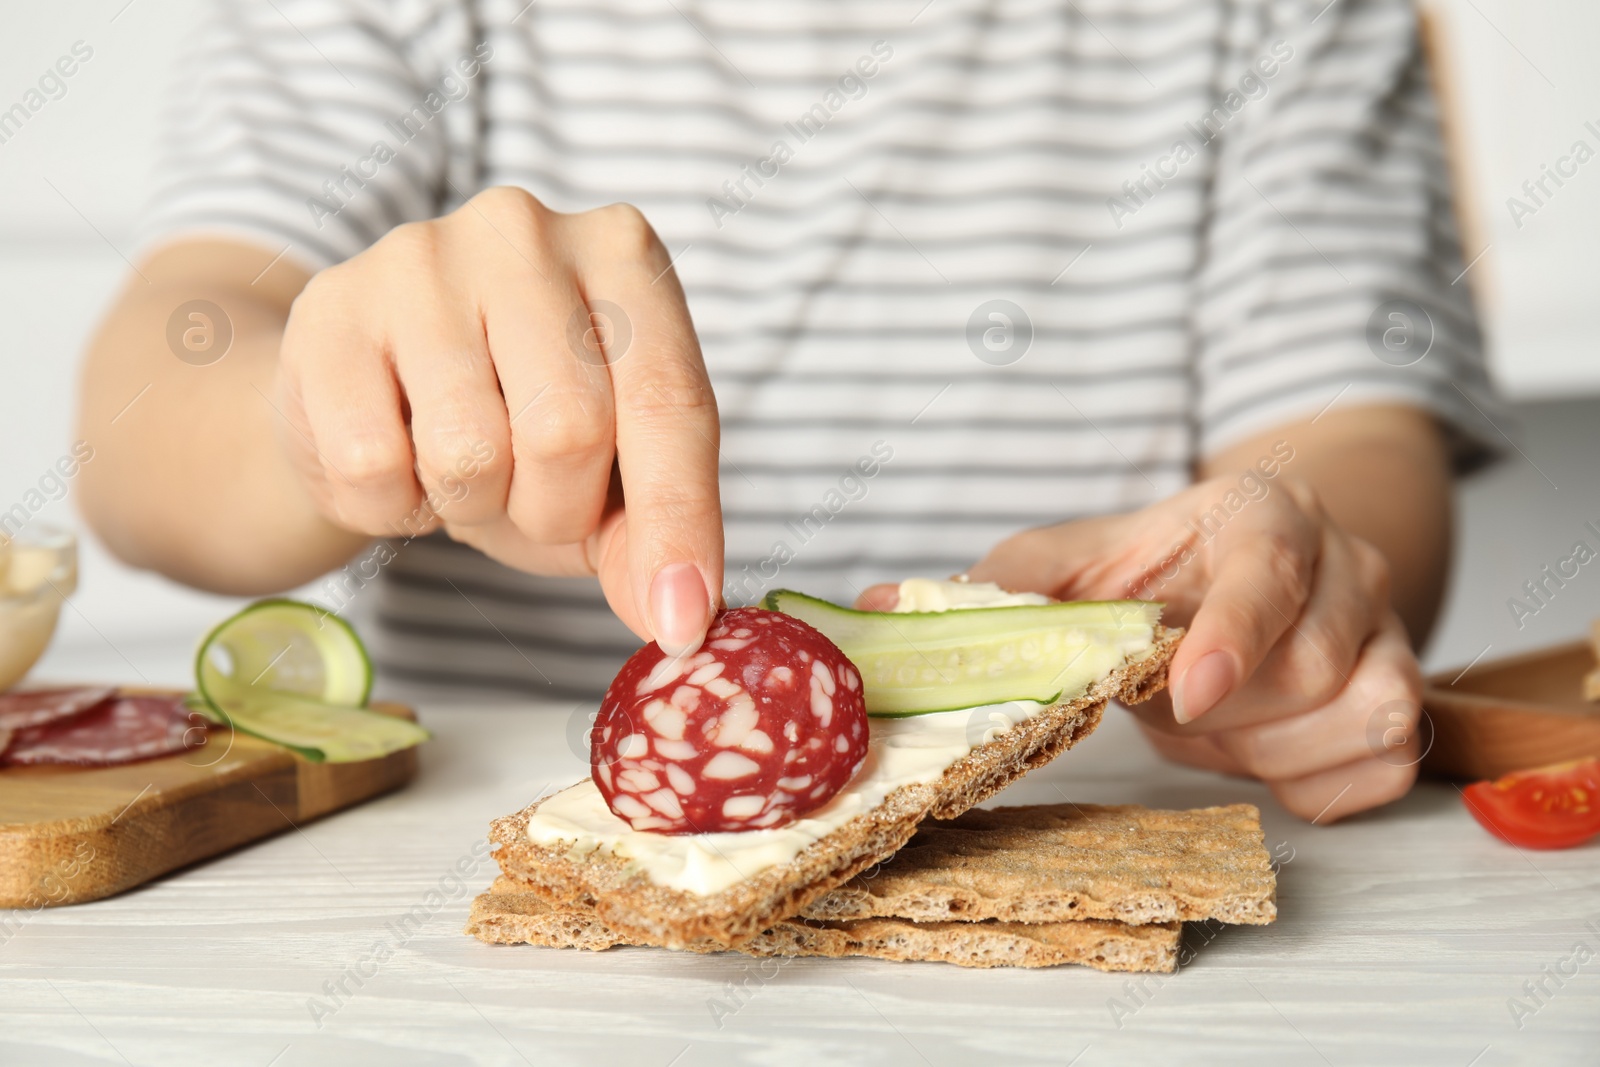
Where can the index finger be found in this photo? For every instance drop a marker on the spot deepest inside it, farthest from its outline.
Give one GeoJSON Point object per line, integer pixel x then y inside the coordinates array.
{"type": "Point", "coordinates": [1263, 565]}
{"type": "Point", "coordinates": [667, 429]}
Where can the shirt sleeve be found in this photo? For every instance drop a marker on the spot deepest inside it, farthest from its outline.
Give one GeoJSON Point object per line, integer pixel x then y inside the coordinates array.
{"type": "Point", "coordinates": [315, 126]}
{"type": "Point", "coordinates": [1332, 272]}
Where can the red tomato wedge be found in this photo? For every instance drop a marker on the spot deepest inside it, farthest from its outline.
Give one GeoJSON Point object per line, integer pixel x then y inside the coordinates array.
{"type": "Point", "coordinates": [1548, 807]}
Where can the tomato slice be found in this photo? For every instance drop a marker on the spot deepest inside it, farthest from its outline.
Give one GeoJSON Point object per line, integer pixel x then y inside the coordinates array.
{"type": "Point", "coordinates": [1549, 807]}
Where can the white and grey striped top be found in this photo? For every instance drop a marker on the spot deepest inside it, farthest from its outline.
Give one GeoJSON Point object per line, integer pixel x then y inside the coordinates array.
{"type": "Point", "coordinates": [1193, 208]}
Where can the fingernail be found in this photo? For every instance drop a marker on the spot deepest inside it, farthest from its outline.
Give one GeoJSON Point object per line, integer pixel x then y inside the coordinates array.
{"type": "Point", "coordinates": [679, 608]}
{"type": "Point", "coordinates": [1202, 685]}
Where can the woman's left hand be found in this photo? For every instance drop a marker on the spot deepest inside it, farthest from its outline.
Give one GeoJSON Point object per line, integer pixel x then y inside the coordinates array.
{"type": "Point", "coordinates": [1295, 668]}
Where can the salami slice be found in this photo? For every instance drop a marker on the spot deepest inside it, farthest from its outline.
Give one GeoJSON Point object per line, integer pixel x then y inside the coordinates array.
{"type": "Point", "coordinates": [119, 730]}
{"type": "Point", "coordinates": [765, 723]}
{"type": "Point", "coordinates": [35, 707]}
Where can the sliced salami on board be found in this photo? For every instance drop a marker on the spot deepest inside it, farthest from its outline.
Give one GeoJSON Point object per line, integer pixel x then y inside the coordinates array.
{"type": "Point", "coordinates": [35, 707]}
{"type": "Point", "coordinates": [118, 730]}
{"type": "Point", "coordinates": [763, 724]}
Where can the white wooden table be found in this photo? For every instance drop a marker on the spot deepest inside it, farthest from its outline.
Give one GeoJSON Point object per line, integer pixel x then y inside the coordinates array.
{"type": "Point", "coordinates": [1401, 939]}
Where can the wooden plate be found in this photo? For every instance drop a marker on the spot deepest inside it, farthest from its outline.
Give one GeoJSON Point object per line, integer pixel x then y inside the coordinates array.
{"type": "Point", "coordinates": [71, 834]}
{"type": "Point", "coordinates": [1512, 714]}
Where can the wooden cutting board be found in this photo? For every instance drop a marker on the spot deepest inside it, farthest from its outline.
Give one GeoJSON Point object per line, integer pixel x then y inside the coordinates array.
{"type": "Point", "coordinates": [1512, 714]}
{"type": "Point", "coordinates": [70, 834]}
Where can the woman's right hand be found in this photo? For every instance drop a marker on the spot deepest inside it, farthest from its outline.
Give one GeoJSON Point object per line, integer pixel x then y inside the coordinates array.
{"type": "Point", "coordinates": [529, 380]}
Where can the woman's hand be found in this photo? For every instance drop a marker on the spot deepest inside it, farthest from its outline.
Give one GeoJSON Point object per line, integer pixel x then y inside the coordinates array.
{"type": "Point", "coordinates": [1295, 669]}
{"type": "Point", "coordinates": [514, 375]}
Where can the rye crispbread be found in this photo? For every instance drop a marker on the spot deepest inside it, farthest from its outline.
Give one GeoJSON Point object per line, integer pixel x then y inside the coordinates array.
{"type": "Point", "coordinates": [1056, 862]}
{"type": "Point", "coordinates": [639, 909]}
{"type": "Point", "coordinates": [512, 913]}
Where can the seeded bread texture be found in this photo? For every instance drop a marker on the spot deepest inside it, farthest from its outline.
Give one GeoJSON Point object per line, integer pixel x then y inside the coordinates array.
{"type": "Point", "coordinates": [512, 913]}
{"type": "Point", "coordinates": [638, 909]}
{"type": "Point", "coordinates": [1057, 862]}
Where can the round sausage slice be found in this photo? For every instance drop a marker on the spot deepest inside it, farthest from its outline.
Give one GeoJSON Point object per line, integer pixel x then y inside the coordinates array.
{"type": "Point", "coordinates": [118, 730]}
{"type": "Point", "coordinates": [35, 707]}
{"type": "Point", "coordinates": [763, 724]}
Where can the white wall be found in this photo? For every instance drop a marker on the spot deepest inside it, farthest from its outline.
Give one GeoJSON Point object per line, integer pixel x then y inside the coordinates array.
{"type": "Point", "coordinates": [1524, 87]}
{"type": "Point", "coordinates": [62, 248]}
{"type": "Point", "coordinates": [61, 258]}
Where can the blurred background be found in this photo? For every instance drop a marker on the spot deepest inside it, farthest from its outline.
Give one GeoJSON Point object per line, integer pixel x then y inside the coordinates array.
{"type": "Point", "coordinates": [1520, 87]}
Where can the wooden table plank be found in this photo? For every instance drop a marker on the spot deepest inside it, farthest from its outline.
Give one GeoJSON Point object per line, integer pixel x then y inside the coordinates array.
{"type": "Point", "coordinates": [1402, 938]}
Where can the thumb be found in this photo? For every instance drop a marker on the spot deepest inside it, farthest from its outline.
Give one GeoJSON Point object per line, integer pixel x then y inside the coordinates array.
{"type": "Point", "coordinates": [608, 549]}
{"type": "Point", "coordinates": [880, 597]}
{"type": "Point", "coordinates": [1053, 560]}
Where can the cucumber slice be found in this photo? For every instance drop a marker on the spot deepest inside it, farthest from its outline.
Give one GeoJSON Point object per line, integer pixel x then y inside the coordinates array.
{"type": "Point", "coordinates": [319, 732]}
{"type": "Point", "coordinates": [919, 662]}
{"type": "Point", "coordinates": [297, 675]}
{"type": "Point", "coordinates": [288, 646]}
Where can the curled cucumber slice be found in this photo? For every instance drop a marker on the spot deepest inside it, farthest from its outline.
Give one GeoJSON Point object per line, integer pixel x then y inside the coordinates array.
{"type": "Point", "coordinates": [919, 662]}
{"type": "Point", "coordinates": [287, 646]}
{"type": "Point", "coordinates": [297, 675]}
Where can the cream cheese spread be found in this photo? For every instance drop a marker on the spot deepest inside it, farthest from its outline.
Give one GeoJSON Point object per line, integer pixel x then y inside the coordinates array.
{"type": "Point", "coordinates": [927, 594]}
{"type": "Point", "coordinates": [901, 751]}
{"type": "Point", "coordinates": [905, 751]}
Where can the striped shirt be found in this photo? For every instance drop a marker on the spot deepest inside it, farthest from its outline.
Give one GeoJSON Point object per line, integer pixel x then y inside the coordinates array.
{"type": "Point", "coordinates": [958, 267]}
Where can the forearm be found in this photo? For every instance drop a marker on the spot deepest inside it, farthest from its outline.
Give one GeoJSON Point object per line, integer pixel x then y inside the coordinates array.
{"type": "Point", "coordinates": [1383, 474]}
{"type": "Point", "coordinates": [188, 478]}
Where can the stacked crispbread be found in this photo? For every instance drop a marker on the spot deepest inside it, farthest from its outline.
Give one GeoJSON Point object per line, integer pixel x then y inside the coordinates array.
{"type": "Point", "coordinates": [1025, 887]}
{"type": "Point", "coordinates": [509, 913]}
{"type": "Point", "coordinates": [644, 912]}
{"type": "Point", "coordinates": [1030, 887]}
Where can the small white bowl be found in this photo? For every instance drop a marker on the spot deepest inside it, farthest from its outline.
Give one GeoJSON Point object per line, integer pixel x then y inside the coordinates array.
{"type": "Point", "coordinates": [38, 570]}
